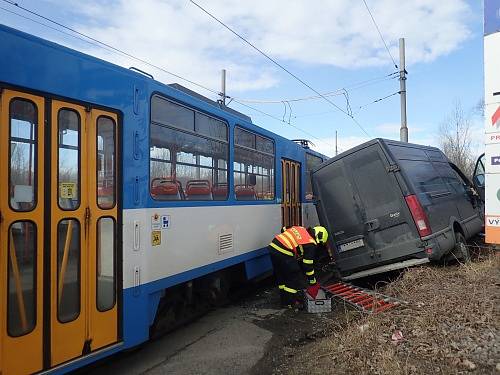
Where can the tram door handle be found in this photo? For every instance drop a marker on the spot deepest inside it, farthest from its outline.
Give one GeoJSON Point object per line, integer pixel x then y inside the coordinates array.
{"type": "Point", "coordinates": [87, 220]}
{"type": "Point", "coordinates": [137, 235]}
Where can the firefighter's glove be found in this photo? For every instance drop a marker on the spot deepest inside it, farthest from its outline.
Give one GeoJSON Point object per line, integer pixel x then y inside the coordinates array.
{"type": "Point", "coordinates": [313, 290]}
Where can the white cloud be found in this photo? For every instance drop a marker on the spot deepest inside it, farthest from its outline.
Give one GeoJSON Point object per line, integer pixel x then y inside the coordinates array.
{"type": "Point", "coordinates": [177, 35]}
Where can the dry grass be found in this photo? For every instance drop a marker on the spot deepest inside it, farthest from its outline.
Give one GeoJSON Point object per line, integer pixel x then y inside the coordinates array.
{"type": "Point", "coordinates": [450, 326]}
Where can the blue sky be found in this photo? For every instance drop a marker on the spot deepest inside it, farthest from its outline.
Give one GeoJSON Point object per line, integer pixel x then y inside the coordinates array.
{"type": "Point", "coordinates": [328, 44]}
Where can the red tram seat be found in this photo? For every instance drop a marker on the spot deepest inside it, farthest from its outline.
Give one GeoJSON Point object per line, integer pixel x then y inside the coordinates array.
{"type": "Point", "coordinates": [198, 190]}
{"type": "Point", "coordinates": [219, 191]}
{"type": "Point", "coordinates": [167, 189]}
{"type": "Point", "coordinates": [245, 193]}
{"type": "Point", "coordinates": [105, 196]}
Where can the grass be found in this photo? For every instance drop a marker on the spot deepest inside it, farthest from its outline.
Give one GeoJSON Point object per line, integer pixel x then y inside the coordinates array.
{"type": "Point", "coordinates": [450, 325]}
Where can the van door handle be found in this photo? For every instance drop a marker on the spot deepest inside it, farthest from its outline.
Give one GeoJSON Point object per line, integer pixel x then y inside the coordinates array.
{"type": "Point", "coordinates": [372, 224]}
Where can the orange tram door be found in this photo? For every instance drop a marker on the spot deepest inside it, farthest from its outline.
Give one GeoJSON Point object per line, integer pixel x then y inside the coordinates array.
{"type": "Point", "coordinates": [58, 223]}
{"type": "Point", "coordinates": [291, 211]}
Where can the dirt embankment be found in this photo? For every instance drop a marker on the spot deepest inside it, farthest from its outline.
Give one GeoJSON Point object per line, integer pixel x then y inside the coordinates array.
{"type": "Point", "coordinates": [450, 325]}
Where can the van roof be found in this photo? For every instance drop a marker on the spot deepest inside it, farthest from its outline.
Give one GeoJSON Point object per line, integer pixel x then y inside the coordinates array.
{"type": "Point", "coordinates": [382, 141]}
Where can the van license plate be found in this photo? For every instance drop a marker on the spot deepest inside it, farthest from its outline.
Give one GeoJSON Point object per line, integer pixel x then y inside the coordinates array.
{"type": "Point", "coordinates": [351, 245]}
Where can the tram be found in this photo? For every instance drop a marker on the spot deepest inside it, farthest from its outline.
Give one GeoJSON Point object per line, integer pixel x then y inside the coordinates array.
{"type": "Point", "coordinates": [125, 204]}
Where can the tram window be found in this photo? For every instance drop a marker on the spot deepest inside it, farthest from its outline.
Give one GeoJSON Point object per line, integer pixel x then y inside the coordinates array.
{"type": "Point", "coordinates": [21, 298]}
{"type": "Point", "coordinates": [264, 145]}
{"type": "Point", "coordinates": [106, 281]}
{"type": "Point", "coordinates": [68, 172]}
{"type": "Point", "coordinates": [210, 127]}
{"type": "Point", "coordinates": [244, 138]}
{"type": "Point", "coordinates": [185, 166]}
{"type": "Point", "coordinates": [106, 134]}
{"type": "Point", "coordinates": [168, 113]}
{"type": "Point", "coordinates": [23, 151]}
{"type": "Point", "coordinates": [311, 162]}
{"type": "Point", "coordinates": [68, 270]}
{"type": "Point", "coordinates": [253, 166]}
{"type": "Point", "coordinates": [188, 165]}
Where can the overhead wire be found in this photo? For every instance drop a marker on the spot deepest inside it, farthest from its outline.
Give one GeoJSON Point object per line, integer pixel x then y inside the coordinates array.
{"type": "Point", "coordinates": [379, 100]}
{"type": "Point", "coordinates": [282, 121]}
{"type": "Point", "coordinates": [279, 65]}
{"type": "Point", "coordinates": [337, 92]}
{"type": "Point", "coordinates": [360, 107]}
{"type": "Point", "coordinates": [380, 34]}
{"type": "Point", "coordinates": [101, 44]}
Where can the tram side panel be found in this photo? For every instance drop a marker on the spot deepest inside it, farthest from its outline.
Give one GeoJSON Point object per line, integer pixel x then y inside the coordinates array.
{"type": "Point", "coordinates": [190, 247]}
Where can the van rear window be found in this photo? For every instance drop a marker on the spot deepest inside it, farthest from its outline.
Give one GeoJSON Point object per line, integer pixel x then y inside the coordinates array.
{"type": "Point", "coordinates": [408, 153]}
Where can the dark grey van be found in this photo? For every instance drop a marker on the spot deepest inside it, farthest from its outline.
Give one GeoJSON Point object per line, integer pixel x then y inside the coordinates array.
{"type": "Point", "coordinates": [391, 204]}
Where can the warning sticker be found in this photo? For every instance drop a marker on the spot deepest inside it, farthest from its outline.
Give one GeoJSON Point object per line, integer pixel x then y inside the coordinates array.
{"type": "Point", "coordinates": [156, 222]}
{"type": "Point", "coordinates": [165, 221]}
{"type": "Point", "coordinates": [156, 238]}
{"type": "Point", "coordinates": [67, 190]}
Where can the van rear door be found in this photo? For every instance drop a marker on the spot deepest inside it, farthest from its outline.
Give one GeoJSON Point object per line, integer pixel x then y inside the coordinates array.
{"type": "Point", "coordinates": [366, 210]}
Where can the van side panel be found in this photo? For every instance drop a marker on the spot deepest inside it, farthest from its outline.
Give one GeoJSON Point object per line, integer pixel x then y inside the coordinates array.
{"type": "Point", "coordinates": [433, 193]}
{"type": "Point", "coordinates": [468, 207]}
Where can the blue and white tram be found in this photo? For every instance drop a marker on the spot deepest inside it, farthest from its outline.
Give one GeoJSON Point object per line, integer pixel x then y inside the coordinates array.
{"type": "Point", "coordinates": [125, 203]}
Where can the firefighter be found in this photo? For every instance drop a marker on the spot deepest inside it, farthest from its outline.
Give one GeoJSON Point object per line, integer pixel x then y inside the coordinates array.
{"type": "Point", "coordinates": [293, 252]}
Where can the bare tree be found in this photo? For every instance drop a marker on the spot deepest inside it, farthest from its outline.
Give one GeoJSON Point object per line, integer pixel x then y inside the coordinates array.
{"type": "Point", "coordinates": [456, 141]}
{"type": "Point", "coordinates": [479, 108]}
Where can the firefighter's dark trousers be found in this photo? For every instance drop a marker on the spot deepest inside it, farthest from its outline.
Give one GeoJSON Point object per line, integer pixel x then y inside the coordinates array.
{"type": "Point", "coordinates": [288, 276]}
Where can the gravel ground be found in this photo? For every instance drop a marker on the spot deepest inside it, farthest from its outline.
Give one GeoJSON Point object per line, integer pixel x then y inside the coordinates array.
{"type": "Point", "coordinates": [451, 325]}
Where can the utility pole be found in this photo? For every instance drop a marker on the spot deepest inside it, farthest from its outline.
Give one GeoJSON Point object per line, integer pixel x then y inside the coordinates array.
{"type": "Point", "coordinates": [336, 145]}
{"type": "Point", "coordinates": [403, 132]}
{"type": "Point", "coordinates": [223, 87]}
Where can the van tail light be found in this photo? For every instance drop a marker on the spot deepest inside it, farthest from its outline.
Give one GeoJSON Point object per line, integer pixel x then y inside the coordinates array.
{"type": "Point", "coordinates": [419, 216]}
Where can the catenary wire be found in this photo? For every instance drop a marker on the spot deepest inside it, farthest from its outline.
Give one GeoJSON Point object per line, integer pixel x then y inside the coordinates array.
{"type": "Point", "coordinates": [337, 92]}
{"type": "Point", "coordinates": [282, 121]}
{"type": "Point", "coordinates": [359, 108]}
{"type": "Point", "coordinates": [379, 100]}
{"type": "Point", "coordinates": [107, 46]}
{"type": "Point", "coordinates": [280, 66]}
{"type": "Point", "coordinates": [380, 34]}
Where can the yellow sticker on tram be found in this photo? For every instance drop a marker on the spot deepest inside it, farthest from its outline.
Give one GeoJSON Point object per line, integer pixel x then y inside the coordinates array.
{"type": "Point", "coordinates": [67, 190]}
{"type": "Point", "coordinates": [156, 237]}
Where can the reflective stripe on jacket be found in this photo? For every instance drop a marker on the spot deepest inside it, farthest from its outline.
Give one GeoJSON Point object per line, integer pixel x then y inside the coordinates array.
{"type": "Point", "coordinates": [294, 237]}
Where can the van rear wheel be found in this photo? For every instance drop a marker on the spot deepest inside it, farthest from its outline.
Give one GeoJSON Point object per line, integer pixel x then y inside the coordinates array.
{"type": "Point", "coordinates": [460, 251]}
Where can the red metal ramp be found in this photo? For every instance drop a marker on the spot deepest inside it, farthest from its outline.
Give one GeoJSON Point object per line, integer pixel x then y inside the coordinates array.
{"type": "Point", "coordinates": [362, 299]}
